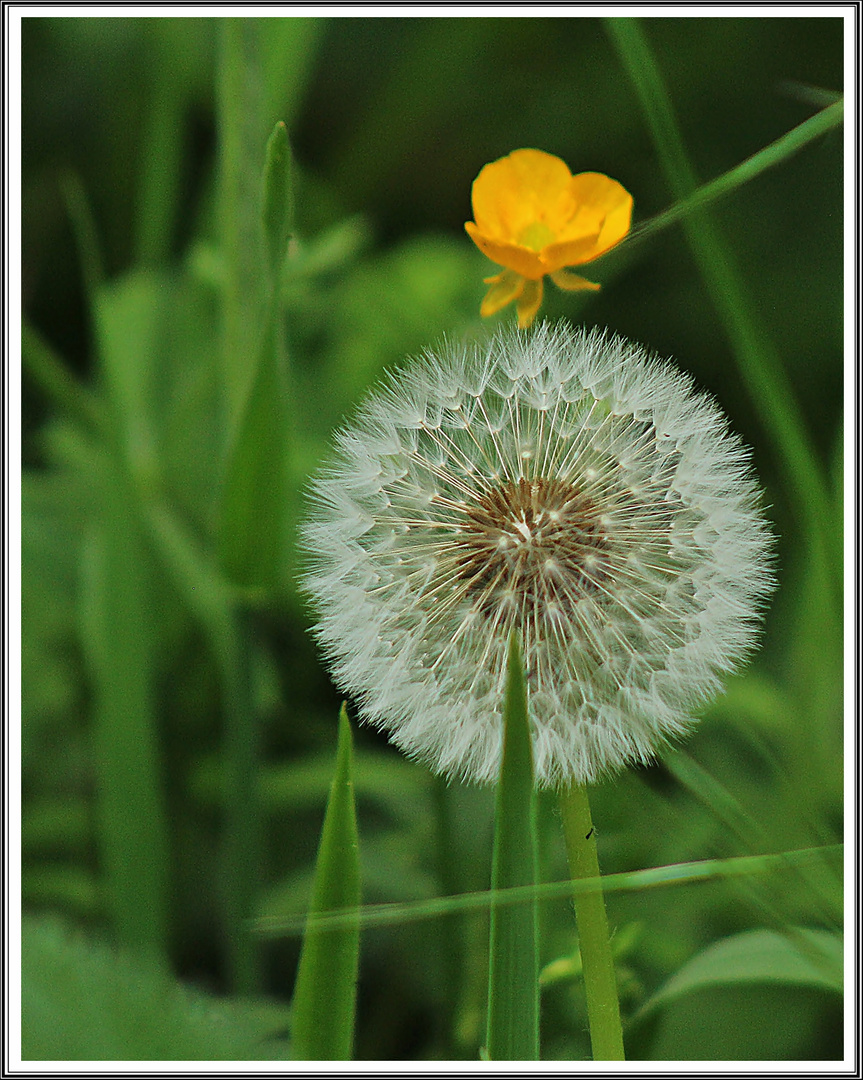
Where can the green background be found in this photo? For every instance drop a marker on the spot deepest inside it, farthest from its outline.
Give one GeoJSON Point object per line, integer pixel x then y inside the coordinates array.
{"type": "Point", "coordinates": [130, 664]}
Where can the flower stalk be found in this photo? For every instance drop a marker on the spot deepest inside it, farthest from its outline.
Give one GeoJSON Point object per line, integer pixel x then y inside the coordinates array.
{"type": "Point", "coordinates": [600, 983]}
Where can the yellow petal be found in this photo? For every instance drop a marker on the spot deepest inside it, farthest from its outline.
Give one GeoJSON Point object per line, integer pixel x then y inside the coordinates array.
{"type": "Point", "coordinates": [515, 191]}
{"type": "Point", "coordinates": [563, 279]}
{"type": "Point", "coordinates": [529, 303]}
{"type": "Point", "coordinates": [604, 211]}
{"type": "Point", "coordinates": [520, 259]}
{"type": "Point", "coordinates": [505, 288]}
{"type": "Point", "coordinates": [571, 253]}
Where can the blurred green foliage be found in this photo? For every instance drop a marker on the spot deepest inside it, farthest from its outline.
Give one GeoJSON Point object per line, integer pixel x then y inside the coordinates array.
{"type": "Point", "coordinates": [178, 735]}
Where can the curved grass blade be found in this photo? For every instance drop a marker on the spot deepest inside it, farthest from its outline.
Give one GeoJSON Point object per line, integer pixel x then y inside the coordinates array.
{"type": "Point", "coordinates": [324, 1003]}
{"type": "Point", "coordinates": [513, 990]}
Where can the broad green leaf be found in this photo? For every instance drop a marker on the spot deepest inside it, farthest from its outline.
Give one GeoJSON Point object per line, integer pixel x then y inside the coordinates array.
{"type": "Point", "coordinates": [130, 321]}
{"type": "Point", "coordinates": [118, 635]}
{"type": "Point", "coordinates": [82, 1001]}
{"type": "Point", "coordinates": [324, 1003]}
{"type": "Point", "coordinates": [119, 628]}
{"type": "Point", "coordinates": [513, 992]}
{"type": "Point", "coordinates": [804, 957]}
{"type": "Point", "coordinates": [254, 503]}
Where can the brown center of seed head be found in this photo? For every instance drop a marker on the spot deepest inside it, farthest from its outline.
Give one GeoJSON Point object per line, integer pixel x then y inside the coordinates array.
{"type": "Point", "coordinates": [533, 542]}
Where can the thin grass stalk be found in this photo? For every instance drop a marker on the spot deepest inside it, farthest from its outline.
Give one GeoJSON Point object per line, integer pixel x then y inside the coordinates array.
{"type": "Point", "coordinates": [767, 158]}
{"type": "Point", "coordinates": [672, 876]}
{"type": "Point", "coordinates": [600, 981]}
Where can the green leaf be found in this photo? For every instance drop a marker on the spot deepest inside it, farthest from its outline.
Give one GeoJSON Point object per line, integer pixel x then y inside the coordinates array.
{"type": "Point", "coordinates": [324, 1003]}
{"type": "Point", "coordinates": [513, 992]}
{"type": "Point", "coordinates": [120, 632]}
{"type": "Point", "coordinates": [812, 958]}
{"type": "Point", "coordinates": [255, 502]}
{"type": "Point", "coordinates": [130, 319]}
{"type": "Point", "coordinates": [81, 1001]}
{"type": "Point", "coordinates": [278, 199]}
{"type": "Point", "coordinates": [118, 635]}
{"type": "Point", "coordinates": [255, 497]}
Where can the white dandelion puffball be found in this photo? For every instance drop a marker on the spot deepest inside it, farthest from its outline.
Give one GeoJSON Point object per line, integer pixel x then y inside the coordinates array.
{"type": "Point", "coordinates": [560, 483]}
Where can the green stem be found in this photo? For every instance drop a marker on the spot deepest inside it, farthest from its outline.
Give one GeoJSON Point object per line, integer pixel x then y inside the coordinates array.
{"type": "Point", "coordinates": [600, 984]}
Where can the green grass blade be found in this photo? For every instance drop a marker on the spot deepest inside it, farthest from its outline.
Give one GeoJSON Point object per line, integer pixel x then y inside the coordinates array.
{"type": "Point", "coordinates": [759, 367]}
{"type": "Point", "coordinates": [255, 498]}
{"type": "Point", "coordinates": [255, 495]}
{"type": "Point", "coordinates": [278, 200]}
{"type": "Point", "coordinates": [230, 633]}
{"type": "Point", "coordinates": [324, 1003]}
{"type": "Point", "coordinates": [767, 158]}
{"type": "Point", "coordinates": [656, 877]}
{"type": "Point", "coordinates": [118, 637]}
{"type": "Point", "coordinates": [513, 991]}
{"type": "Point", "coordinates": [119, 627]}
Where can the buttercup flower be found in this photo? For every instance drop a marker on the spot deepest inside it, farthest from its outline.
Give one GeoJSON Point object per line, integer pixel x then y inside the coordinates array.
{"type": "Point", "coordinates": [559, 483]}
{"type": "Point", "coordinates": [535, 218]}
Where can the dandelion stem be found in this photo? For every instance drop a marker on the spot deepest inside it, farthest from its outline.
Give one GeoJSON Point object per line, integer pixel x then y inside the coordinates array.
{"type": "Point", "coordinates": [600, 984]}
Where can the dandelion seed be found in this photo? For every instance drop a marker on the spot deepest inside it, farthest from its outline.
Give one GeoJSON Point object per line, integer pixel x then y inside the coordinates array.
{"type": "Point", "coordinates": [560, 483]}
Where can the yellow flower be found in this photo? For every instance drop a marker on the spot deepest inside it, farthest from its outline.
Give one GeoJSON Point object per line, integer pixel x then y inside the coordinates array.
{"type": "Point", "coordinates": [535, 218]}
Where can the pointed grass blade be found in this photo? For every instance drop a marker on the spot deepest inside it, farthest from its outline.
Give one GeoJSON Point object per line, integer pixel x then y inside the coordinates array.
{"type": "Point", "coordinates": [278, 200]}
{"type": "Point", "coordinates": [255, 494]}
{"type": "Point", "coordinates": [324, 1003]}
{"type": "Point", "coordinates": [513, 991]}
{"type": "Point", "coordinates": [254, 514]}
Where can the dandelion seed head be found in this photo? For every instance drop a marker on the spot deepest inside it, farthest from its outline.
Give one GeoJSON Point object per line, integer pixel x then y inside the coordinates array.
{"type": "Point", "coordinates": [559, 483]}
